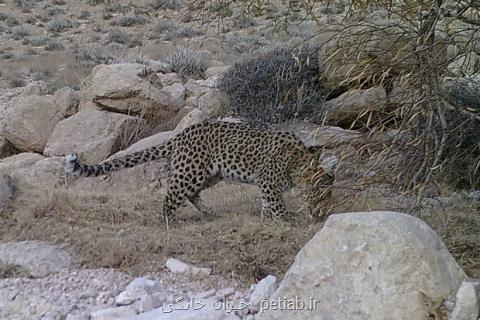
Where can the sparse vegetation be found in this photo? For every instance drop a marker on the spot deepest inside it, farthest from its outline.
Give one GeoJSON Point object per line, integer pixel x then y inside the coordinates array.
{"type": "Point", "coordinates": [19, 32]}
{"type": "Point", "coordinates": [164, 25]}
{"type": "Point", "coordinates": [128, 21]}
{"type": "Point", "coordinates": [181, 33]}
{"type": "Point", "coordinates": [84, 15]}
{"type": "Point", "coordinates": [120, 37]}
{"type": "Point", "coordinates": [54, 10]}
{"type": "Point", "coordinates": [59, 25]}
{"type": "Point", "coordinates": [188, 63]}
{"type": "Point", "coordinates": [54, 46]}
{"type": "Point", "coordinates": [18, 82]}
{"type": "Point", "coordinates": [165, 4]}
{"type": "Point", "coordinates": [38, 41]}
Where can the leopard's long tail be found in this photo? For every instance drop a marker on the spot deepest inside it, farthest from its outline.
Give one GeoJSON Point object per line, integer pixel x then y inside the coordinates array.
{"type": "Point", "coordinates": [75, 168]}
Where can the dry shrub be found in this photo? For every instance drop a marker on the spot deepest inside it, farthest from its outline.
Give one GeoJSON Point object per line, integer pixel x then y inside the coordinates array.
{"type": "Point", "coordinates": [188, 63]}
{"type": "Point", "coordinates": [275, 85]}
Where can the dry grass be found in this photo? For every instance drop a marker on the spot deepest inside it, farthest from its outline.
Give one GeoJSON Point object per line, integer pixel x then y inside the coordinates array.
{"type": "Point", "coordinates": [127, 232]}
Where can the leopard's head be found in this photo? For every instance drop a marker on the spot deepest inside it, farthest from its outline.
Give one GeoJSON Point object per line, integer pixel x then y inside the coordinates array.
{"type": "Point", "coordinates": [315, 179]}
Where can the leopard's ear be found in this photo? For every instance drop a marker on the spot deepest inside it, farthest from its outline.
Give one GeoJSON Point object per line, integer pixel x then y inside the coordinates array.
{"type": "Point", "coordinates": [329, 164]}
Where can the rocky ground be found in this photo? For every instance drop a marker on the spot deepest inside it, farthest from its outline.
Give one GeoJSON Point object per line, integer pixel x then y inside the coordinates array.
{"type": "Point", "coordinates": [105, 79]}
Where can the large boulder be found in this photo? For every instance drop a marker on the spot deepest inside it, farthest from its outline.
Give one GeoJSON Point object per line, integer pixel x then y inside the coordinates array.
{"type": "Point", "coordinates": [133, 88]}
{"type": "Point", "coordinates": [33, 178]}
{"type": "Point", "coordinates": [93, 134]}
{"type": "Point", "coordinates": [32, 119]}
{"type": "Point", "coordinates": [376, 265]}
{"type": "Point", "coordinates": [353, 103]}
{"type": "Point", "coordinates": [313, 135]}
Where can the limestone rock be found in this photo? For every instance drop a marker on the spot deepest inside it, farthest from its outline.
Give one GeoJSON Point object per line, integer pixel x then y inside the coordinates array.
{"type": "Point", "coordinates": [467, 301]}
{"type": "Point", "coordinates": [354, 102]}
{"type": "Point", "coordinates": [38, 88]}
{"type": "Point", "coordinates": [112, 313]}
{"type": "Point", "coordinates": [127, 88]}
{"type": "Point", "coordinates": [216, 71]}
{"type": "Point", "coordinates": [177, 266]}
{"type": "Point", "coordinates": [213, 102]}
{"type": "Point", "coordinates": [33, 118]}
{"type": "Point", "coordinates": [143, 283]}
{"type": "Point", "coordinates": [174, 95]}
{"type": "Point", "coordinates": [316, 135]}
{"type": "Point", "coordinates": [263, 290]}
{"type": "Point", "coordinates": [376, 265]}
{"type": "Point", "coordinates": [201, 309]}
{"type": "Point", "coordinates": [34, 178]}
{"type": "Point", "coordinates": [38, 258]}
{"type": "Point", "coordinates": [199, 87]}
{"type": "Point", "coordinates": [92, 134]}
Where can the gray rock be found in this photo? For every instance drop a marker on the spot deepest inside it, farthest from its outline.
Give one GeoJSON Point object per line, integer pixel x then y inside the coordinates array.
{"type": "Point", "coordinates": [73, 316]}
{"type": "Point", "coordinates": [159, 66]}
{"type": "Point", "coordinates": [467, 302]}
{"type": "Point", "coordinates": [213, 102]}
{"type": "Point", "coordinates": [34, 177]}
{"type": "Point", "coordinates": [128, 297]}
{"type": "Point", "coordinates": [93, 134]}
{"type": "Point", "coordinates": [38, 258]}
{"type": "Point", "coordinates": [130, 88]}
{"type": "Point", "coordinates": [177, 266]}
{"type": "Point", "coordinates": [216, 71]}
{"type": "Point", "coordinates": [199, 87]}
{"type": "Point", "coordinates": [367, 265]}
{"type": "Point", "coordinates": [33, 119]}
{"type": "Point", "coordinates": [145, 284]}
{"type": "Point", "coordinates": [190, 310]}
{"type": "Point", "coordinates": [350, 104]}
{"type": "Point", "coordinates": [174, 95]}
{"type": "Point", "coordinates": [263, 290]}
{"type": "Point", "coordinates": [113, 313]}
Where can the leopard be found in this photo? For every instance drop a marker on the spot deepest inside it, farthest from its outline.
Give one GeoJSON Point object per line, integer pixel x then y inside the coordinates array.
{"type": "Point", "coordinates": [211, 151]}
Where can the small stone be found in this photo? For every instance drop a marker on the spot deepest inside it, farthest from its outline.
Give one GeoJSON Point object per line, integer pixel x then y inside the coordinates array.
{"type": "Point", "coordinates": [143, 283]}
{"type": "Point", "coordinates": [128, 297]}
{"type": "Point", "coordinates": [112, 313]}
{"type": "Point", "coordinates": [177, 266]}
{"type": "Point", "coordinates": [147, 303]}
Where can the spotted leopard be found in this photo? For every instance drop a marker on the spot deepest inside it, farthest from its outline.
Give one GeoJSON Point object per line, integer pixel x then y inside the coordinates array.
{"type": "Point", "coordinates": [207, 152]}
